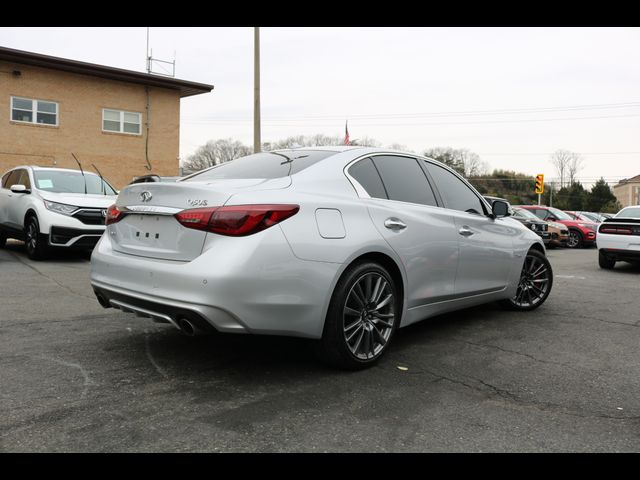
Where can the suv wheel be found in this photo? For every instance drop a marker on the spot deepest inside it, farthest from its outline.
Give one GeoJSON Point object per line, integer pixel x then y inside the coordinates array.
{"type": "Point", "coordinates": [575, 239]}
{"type": "Point", "coordinates": [3, 240]}
{"type": "Point", "coordinates": [363, 315]}
{"type": "Point", "coordinates": [36, 243]}
{"type": "Point", "coordinates": [534, 286]}
{"type": "Point", "coordinates": [605, 262]}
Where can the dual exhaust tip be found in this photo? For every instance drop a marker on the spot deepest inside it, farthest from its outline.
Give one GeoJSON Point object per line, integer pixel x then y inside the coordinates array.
{"type": "Point", "coordinates": [188, 326]}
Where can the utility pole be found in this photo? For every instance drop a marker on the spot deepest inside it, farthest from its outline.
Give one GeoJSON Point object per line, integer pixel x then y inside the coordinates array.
{"type": "Point", "coordinates": [256, 90]}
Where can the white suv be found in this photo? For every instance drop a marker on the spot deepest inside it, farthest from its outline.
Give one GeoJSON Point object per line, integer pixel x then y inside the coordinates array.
{"type": "Point", "coordinates": [53, 207]}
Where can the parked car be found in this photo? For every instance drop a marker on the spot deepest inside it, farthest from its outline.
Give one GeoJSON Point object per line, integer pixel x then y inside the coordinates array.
{"type": "Point", "coordinates": [53, 207]}
{"type": "Point", "coordinates": [581, 233]}
{"type": "Point", "coordinates": [339, 244]}
{"type": "Point", "coordinates": [540, 227]}
{"type": "Point", "coordinates": [153, 178]}
{"type": "Point", "coordinates": [557, 234]}
{"type": "Point", "coordinates": [619, 238]}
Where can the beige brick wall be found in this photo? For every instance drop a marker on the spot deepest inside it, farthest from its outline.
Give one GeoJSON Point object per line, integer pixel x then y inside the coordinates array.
{"type": "Point", "coordinates": [627, 194]}
{"type": "Point", "coordinates": [81, 99]}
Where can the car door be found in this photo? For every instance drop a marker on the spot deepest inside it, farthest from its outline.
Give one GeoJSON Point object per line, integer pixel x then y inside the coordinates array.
{"type": "Point", "coordinates": [18, 203]}
{"type": "Point", "coordinates": [486, 245]}
{"type": "Point", "coordinates": [404, 210]}
{"type": "Point", "coordinates": [6, 196]}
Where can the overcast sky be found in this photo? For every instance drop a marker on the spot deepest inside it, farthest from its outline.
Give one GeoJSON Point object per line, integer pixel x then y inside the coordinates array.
{"type": "Point", "coordinates": [512, 95]}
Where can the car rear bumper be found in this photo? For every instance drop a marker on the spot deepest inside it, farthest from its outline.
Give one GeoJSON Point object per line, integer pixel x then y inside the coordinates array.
{"type": "Point", "coordinates": [620, 247]}
{"type": "Point", "coordinates": [250, 284]}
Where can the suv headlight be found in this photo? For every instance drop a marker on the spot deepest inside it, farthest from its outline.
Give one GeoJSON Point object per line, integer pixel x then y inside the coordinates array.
{"type": "Point", "coordinates": [60, 207]}
{"type": "Point", "coordinates": [556, 225]}
{"type": "Point", "coordinates": [587, 225]}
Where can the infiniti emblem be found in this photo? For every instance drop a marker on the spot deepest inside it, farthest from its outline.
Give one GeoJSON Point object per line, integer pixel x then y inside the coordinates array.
{"type": "Point", "coordinates": [146, 196]}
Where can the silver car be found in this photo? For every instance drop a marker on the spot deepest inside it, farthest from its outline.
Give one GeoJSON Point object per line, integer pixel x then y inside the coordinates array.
{"type": "Point", "coordinates": [339, 244]}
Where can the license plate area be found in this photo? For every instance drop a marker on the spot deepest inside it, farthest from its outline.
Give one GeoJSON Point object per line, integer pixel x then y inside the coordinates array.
{"type": "Point", "coordinates": [157, 236]}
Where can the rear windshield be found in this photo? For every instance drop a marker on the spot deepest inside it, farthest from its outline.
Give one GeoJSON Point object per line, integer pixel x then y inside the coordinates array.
{"type": "Point", "coordinates": [263, 165]}
{"type": "Point", "coordinates": [632, 212]}
{"type": "Point", "coordinates": [63, 181]}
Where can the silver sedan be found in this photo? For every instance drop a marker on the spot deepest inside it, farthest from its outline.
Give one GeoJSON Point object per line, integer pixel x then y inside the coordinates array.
{"type": "Point", "coordinates": [339, 244]}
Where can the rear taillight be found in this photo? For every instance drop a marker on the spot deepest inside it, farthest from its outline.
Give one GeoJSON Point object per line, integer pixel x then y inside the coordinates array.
{"type": "Point", "coordinates": [114, 214]}
{"type": "Point", "coordinates": [236, 220]}
{"type": "Point", "coordinates": [616, 230]}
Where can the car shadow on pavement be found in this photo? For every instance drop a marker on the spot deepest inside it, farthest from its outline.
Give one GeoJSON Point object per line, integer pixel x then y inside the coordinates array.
{"type": "Point", "coordinates": [55, 255]}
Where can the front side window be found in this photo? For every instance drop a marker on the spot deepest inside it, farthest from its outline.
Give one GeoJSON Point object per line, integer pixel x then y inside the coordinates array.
{"type": "Point", "coordinates": [34, 111]}
{"type": "Point", "coordinates": [455, 193]}
{"type": "Point", "coordinates": [23, 179]}
{"type": "Point", "coordinates": [10, 179]}
{"type": "Point", "coordinates": [120, 121]}
{"type": "Point", "coordinates": [404, 180]}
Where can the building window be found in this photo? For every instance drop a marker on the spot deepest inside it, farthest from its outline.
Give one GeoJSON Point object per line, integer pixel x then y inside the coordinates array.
{"type": "Point", "coordinates": [120, 121]}
{"type": "Point", "coordinates": [34, 111]}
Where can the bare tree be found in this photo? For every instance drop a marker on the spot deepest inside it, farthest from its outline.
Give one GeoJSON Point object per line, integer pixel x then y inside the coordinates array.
{"type": "Point", "coordinates": [317, 140]}
{"type": "Point", "coordinates": [464, 161]}
{"type": "Point", "coordinates": [364, 142]}
{"type": "Point", "coordinates": [574, 166]}
{"type": "Point", "coordinates": [567, 165]}
{"type": "Point", "coordinates": [215, 152]}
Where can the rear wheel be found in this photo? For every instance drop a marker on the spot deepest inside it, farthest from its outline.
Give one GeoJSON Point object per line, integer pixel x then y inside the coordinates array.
{"type": "Point", "coordinates": [575, 239]}
{"type": "Point", "coordinates": [3, 240]}
{"type": "Point", "coordinates": [534, 286]}
{"type": "Point", "coordinates": [362, 318]}
{"type": "Point", "coordinates": [605, 261]}
{"type": "Point", "coordinates": [36, 243]}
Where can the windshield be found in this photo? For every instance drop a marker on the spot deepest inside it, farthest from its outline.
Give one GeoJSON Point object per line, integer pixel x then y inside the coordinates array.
{"type": "Point", "coordinates": [559, 214]}
{"type": "Point", "coordinates": [64, 181]}
{"type": "Point", "coordinates": [263, 165]}
{"type": "Point", "coordinates": [521, 212]}
{"type": "Point", "coordinates": [594, 217]}
{"type": "Point", "coordinates": [630, 212]}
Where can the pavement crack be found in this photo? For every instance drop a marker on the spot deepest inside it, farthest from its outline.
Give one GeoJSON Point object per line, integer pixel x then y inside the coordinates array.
{"type": "Point", "coordinates": [158, 368]}
{"type": "Point", "coordinates": [85, 375]}
{"type": "Point", "coordinates": [515, 352]}
{"type": "Point", "coordinates": [40, 272]}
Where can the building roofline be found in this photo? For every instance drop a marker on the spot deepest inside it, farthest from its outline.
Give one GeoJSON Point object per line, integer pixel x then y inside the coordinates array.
{"type": "Point", "coordinates": [186, 88]}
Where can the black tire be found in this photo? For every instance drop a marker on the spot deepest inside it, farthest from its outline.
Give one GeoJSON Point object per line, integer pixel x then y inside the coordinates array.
{"type": "Point", "coordinates": [575, 239]}
{"type": "Point", "coordinates": [531, 280]}
{"type": "Point", "coordinates": [3, 240]}
{"type": "Point", "coordinates": [35, 242]}
{"type": "Point", "coordinates": [372, 334]}
{"type": "Point", "coordinates": [605, 261]}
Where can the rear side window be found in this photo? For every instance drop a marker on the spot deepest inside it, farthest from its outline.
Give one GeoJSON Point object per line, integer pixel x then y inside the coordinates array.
{"type": "Point", "coordinates": [455, 193]}
{"type": "Point", "coordinates": [263, 165]}
{"type": "Point", "coordinates": [366, 175]}
{"type": "Point", "coordinates": [404, 180]}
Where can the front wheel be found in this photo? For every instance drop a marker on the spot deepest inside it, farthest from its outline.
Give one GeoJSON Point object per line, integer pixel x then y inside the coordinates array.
{"type": "Point", "coordinates": [534, 285]}
{"type": "Point", "coordinates": [575, 239]}
{"type": "Point", "coordinates": [36, 243]}
{"type": "Point", "coordinates": [363, 315]}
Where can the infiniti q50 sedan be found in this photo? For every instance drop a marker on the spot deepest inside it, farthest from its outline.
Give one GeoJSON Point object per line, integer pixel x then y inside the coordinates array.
{"type": "Point", "coordinates": [339, 244]}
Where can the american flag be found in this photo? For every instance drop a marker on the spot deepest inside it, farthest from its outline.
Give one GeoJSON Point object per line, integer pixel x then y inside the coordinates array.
{"type": "Point", "coordinates": [346, 134]}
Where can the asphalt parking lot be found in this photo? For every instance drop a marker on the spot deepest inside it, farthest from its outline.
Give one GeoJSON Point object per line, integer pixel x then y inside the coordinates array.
{"type": "Point", "coordinates": [75, 377]}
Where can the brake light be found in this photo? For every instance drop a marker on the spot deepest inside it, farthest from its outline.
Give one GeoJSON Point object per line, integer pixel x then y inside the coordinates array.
{"type": "Point", "coordinates": [616, 230]}
{"type": "Point", "coordinates": [114, 214]}
{"type": "Point", "coordinates": [236, 220]}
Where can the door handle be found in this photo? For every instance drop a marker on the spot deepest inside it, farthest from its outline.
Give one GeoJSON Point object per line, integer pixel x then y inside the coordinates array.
{"type": "Point", "coordinates": [394, 224]}
{"type": "Point", "coordinates": [465, 231]}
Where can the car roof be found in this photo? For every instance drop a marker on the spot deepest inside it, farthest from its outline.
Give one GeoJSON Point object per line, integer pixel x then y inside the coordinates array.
{"type": "Point", "coordinates": [41, 168]}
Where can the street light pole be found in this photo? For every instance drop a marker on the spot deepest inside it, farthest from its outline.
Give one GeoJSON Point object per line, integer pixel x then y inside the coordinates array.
{"type": "Point", "coordinates": [256, 91]}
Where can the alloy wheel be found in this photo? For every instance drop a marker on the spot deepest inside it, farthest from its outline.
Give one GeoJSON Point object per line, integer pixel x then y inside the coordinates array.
{"type": "Point", "coordinates": [573, 240]}
{"type": "Point", "coordinates": [369, 316]}
{"type": "Point", "coordinates": [534, 283]}
{"type": "Point", "coordinates": [32, 236]}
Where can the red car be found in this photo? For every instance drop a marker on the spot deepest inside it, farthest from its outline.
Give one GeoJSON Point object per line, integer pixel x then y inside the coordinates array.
{"type": "Point", "coordinates": [581, 233]}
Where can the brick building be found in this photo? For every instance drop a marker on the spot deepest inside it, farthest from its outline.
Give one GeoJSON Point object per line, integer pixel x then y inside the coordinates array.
{"type": "Point", "coordinates": [627, 191]}
{"type": "Point", "coordinates": [126, 123]}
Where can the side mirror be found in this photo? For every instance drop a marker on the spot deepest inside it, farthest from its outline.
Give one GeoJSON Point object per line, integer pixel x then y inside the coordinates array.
{"type": "Point", "coordinates": [19, 189]}
{"type": "Point", "coordinates": [500, 209]}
